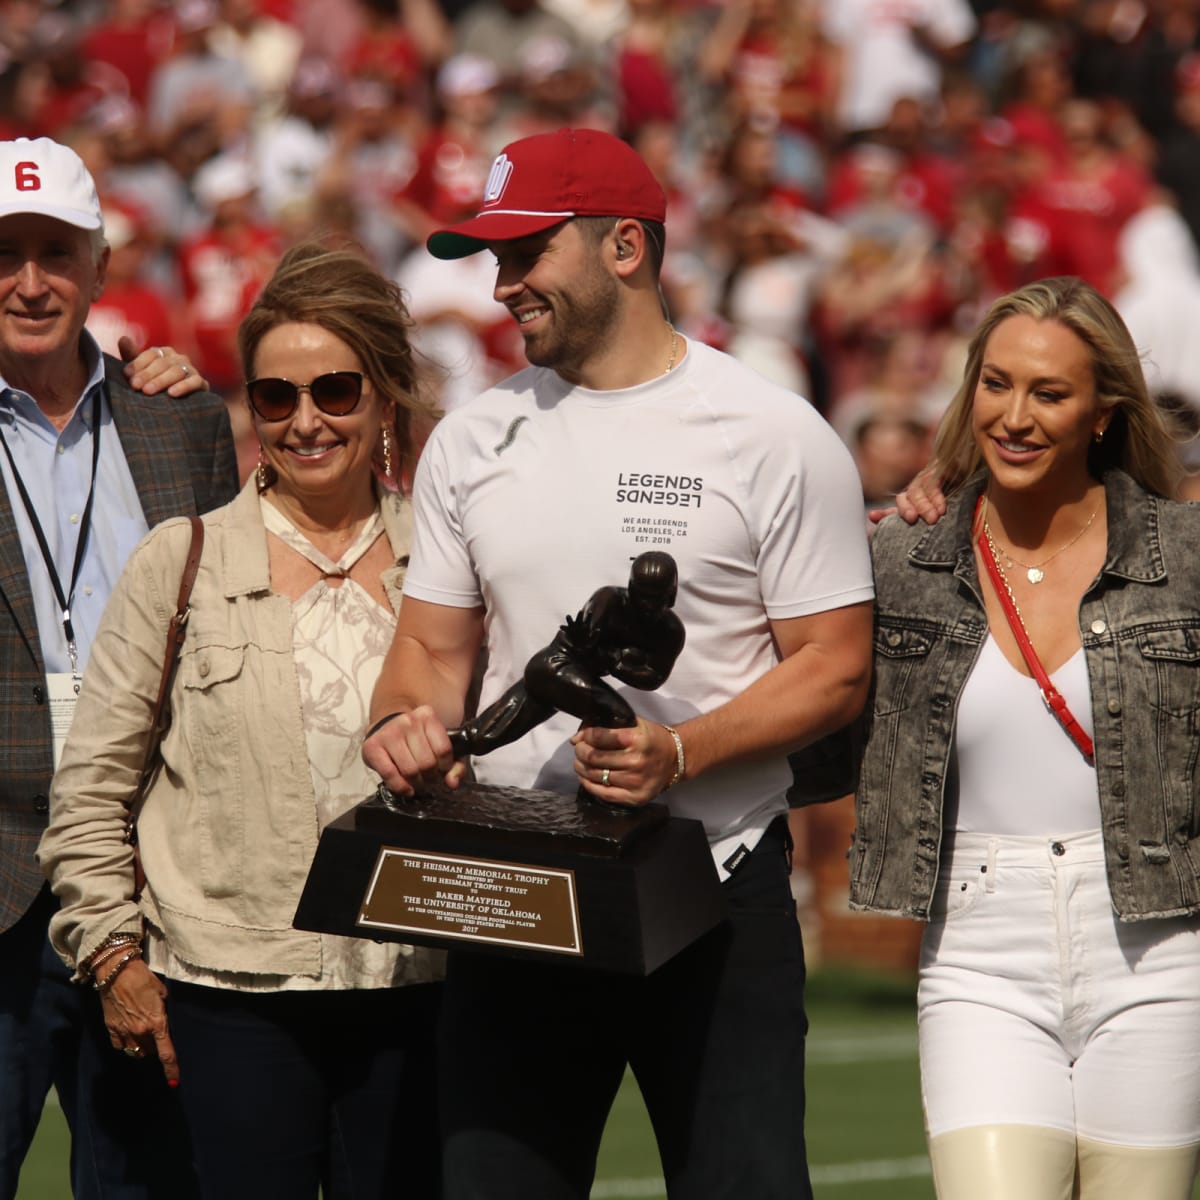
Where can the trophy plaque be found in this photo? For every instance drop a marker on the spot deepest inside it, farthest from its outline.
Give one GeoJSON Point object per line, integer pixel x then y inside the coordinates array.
{"type": "Point", "coordinates": [523, 872]}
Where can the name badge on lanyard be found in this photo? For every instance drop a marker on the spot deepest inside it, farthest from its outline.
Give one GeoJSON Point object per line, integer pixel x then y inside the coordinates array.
{"type": "Point", "coordinates": [62, 690]}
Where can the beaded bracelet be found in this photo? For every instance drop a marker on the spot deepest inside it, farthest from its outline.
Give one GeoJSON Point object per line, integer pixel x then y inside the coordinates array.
{"type": "Point", "coordinates": [113, 944]}
{"type": "Point", "coordinates": [102, 985]}
{"type": "Point", "coordinates": [107, 955]}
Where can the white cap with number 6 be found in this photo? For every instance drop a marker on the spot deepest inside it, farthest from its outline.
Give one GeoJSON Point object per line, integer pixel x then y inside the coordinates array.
{"type": "Point", "coordinates": [38, 175]}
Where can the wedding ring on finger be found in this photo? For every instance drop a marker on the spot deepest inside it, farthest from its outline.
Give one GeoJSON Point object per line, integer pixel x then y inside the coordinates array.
{"type": "Point", "coordinates": [185, 369]}
{"type": "Point", "coordinates": [604, 777]}
{"type": "Point", "coordinates": [133, 1051]}
{"type": "Point", "coordinates": [160, 352]}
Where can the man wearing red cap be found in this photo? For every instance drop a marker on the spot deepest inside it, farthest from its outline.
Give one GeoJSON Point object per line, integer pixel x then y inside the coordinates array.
{"type": "Point", "coordinates": [623, 437]}
{"type": "Point", "coordinates": [86, 466]}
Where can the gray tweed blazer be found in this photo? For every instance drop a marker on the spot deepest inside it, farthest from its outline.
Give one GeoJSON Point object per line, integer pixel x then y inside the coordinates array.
{"type": "Point", "coordinates": [180, 454]}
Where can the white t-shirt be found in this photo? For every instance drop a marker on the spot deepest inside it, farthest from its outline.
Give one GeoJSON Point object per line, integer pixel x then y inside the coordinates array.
{"type": "Point", "coordinates": [534, 495]}
{"type": "Point", "coordinates": [883, 60]}
{"type": "Point", "coordinates": [1019, 773]}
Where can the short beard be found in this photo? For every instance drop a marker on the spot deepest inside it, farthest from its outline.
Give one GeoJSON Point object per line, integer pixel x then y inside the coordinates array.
{"type": "Point", "coordinates": [584, 323]}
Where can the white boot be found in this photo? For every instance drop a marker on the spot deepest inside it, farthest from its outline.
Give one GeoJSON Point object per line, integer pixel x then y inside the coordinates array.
{"type": "Point", "coordinates": [1109, 1172]}
{"type": "Point", "coordinates": [1005, 1162]}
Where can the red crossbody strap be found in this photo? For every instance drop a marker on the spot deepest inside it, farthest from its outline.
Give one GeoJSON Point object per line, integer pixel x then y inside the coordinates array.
{"type": "Point", "coordinates": [1050, 694]}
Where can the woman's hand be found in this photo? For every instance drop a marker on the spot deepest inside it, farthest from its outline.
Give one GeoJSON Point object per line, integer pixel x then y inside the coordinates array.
{"type": "Point", "coordinates": [625, 766]}
{"type": "Point", "coordinates": [160, 368]}
{"type": "Point", "coordinates": [135, 1015]}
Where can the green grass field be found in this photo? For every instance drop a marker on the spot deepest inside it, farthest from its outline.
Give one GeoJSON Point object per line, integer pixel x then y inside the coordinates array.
{"type": "Point", "coordinates": [864, 1114]}
{"type": "Point", "coordinates": [865, 1139]}
{"type": "Point", "coordinates": [864, 1117]}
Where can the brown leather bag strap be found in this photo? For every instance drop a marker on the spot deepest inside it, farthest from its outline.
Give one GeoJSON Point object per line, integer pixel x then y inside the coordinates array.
{"type": "Point", "coordinates": [176, 631]}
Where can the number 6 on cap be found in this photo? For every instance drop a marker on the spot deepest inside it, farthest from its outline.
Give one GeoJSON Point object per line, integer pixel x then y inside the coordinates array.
{"type": "Point", "coordinates": [44, 177]}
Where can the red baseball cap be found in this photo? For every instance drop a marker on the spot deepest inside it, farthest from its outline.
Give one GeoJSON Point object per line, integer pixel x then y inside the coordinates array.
{"type": "Point", "coordinates": [540, 181]}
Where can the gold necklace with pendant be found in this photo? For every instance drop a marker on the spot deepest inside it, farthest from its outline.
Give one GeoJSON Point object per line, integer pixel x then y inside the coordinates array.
{"type": "Point", "coordinates": [1033, 571]}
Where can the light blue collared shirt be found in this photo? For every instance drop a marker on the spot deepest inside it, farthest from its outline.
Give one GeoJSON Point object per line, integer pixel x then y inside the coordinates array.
{"type": "Point", "coordinates": [56, 469]}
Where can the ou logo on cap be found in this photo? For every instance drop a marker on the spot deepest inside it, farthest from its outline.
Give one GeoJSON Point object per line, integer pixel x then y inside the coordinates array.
{"type": "Point", "coordinates": [497, 179]}
{"type": "Point", "coordinates": [26, 178]}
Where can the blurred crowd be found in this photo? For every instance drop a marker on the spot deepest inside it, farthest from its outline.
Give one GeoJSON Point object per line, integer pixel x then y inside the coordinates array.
{"type": "Point", "coordinates": [850, 182]}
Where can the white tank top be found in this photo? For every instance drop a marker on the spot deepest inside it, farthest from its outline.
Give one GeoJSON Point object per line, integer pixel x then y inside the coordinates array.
{"type": "Point", "coordinates": [1019, 772]}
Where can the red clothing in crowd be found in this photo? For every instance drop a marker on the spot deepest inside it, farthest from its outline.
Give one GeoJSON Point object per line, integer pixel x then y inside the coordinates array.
{"type": "Point", "coordinates": [222, 274]}
{"type": "Point", "coordinates": [390, 57]}
{"type": "Point", "coordinates": [645, 88]}
{"type": "Point", "coordinates": [132, 310]}
{"type": "Point", "coordinates": [64, 105]}
{"type": "Point", "coordinates": [134, 50]}
{"type": "Point", "coordinates": [1027, 125]}
{"type": "Point", "coordinates": [774, 70]}
{"type": "Point", "coordinates": [451, 172]}
{"type": "Point", "coordinates": [926, 182]}
{"type": "Point", "coordinates": [1067, 223]}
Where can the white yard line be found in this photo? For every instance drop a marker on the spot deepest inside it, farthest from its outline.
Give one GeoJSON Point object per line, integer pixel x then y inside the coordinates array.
{"type": "Point", "coordinates": [871, 1169]}
{"type": "Point", "coordinates": [861, 1048]}
{"type": "Point", "coordinates": [875, 1170]}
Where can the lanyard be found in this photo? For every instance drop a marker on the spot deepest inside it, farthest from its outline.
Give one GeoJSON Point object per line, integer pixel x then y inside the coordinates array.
{"type": "Point", "coordinates": [85, 525]}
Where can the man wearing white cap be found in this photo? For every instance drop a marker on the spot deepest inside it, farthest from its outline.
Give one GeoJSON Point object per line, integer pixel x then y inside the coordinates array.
{"type": "Point", "coordinates": [87, 466]}
{"type": "Point", "coordinates": [625, 437]}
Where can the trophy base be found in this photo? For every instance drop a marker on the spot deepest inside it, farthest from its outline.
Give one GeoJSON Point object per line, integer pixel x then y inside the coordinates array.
{"type": "Point", "coordinates": [522, 873]}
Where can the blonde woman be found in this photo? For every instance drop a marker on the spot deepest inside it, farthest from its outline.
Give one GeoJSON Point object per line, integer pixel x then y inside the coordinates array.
{"type": "Point", "coordinates": [1049, 833]}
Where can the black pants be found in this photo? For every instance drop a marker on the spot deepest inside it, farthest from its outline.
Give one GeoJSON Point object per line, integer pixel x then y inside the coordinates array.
{"type": "Point", "coordinates": [285, 1092]}
{"type": "Point", "coordinates": [128, 1140]}
{"type": "Point", "coordinates": [532, 1057]}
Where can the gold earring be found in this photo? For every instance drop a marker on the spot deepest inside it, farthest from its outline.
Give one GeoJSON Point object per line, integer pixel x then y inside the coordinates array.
{"type": "Point", "coordinates": [387, 452]}
{"type": "Point", "coordinates": [261, 479]}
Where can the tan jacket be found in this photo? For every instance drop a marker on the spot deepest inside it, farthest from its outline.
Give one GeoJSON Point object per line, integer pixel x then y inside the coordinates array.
{"type": "Point", "coordinates": [229, 828]}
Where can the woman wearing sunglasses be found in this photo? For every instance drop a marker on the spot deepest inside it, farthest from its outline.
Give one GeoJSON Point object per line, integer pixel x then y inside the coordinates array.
{"type": "Point", "coordinates": [303, 1060]}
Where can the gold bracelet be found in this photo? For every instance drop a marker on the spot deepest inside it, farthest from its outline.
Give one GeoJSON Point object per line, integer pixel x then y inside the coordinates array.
{"type": "Point", "coordinates": [102, 985]}
{"type": "Point", "coordinates": [680, 766]}
{"type": "Point", "coordinates": [102, 956]}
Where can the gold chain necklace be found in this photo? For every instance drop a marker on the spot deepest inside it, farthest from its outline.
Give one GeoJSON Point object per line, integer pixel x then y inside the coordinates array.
{"type": "Point", "coordinates": [1033, 571]}
{"type": "Point", "coordinates": [674, 348]}
{"type": "Point", "coordinates": [991, 541]}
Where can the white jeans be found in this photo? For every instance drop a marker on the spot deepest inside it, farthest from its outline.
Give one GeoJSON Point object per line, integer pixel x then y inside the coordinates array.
{"type": "Point", "coordinates": [1037, 1006]}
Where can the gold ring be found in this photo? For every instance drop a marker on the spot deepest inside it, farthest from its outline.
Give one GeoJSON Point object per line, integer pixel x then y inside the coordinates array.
{"type": "Point", "coordinates": [604, 777]}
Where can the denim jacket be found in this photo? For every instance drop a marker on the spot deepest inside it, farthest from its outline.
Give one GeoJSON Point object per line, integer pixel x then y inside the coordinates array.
{"type": "Point", "coordinates": [1139, 622]}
